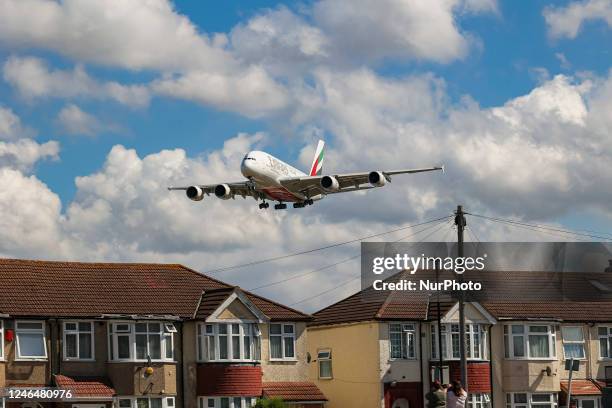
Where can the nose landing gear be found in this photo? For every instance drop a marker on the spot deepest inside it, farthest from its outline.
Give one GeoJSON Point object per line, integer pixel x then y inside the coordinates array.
{"type": "Point", "coordinates": [264, 205]}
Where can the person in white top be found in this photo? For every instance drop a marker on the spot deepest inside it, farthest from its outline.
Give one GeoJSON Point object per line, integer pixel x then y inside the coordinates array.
{"type": "Point", "coordinates": [456, 396]}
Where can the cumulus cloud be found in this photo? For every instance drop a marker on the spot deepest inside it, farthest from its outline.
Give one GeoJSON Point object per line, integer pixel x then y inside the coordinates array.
{"type": "Point", "coordinates": [341, 32]}
{"type": "Point", "coordinates": [33, 79]}
{"type": "Point", "coordinates": [74, 121]}
{"type": "Point", "coordinates": [130, 34]}
{"type": "Point", "coordinates": [17, 149]}
{"type": "Point", "coordinates": [566, 22]}
{"type": "Point", "coordinates": [250, 92]}
{"type": "Point", "coordinates": [11, 127]}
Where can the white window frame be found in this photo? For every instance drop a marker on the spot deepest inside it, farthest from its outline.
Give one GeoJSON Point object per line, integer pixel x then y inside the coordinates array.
{"type": "Point", "coordinates": [510, 400]}
{"type": "Point", "coordinates": [608, 338]}
{"type": "Point", "coordinates": [450, 335]}
{"type": "Point", "coordinates": [325, 355]}
{"type": "Point", "coordinates": [245, 402]}
{"type": "Point", "coordinates": [113, 343]}
{"type": "Point", "coordinates": [408, 336]}
{"type": "Point", "coordinates": [509, 341]}
{"type": "Point", "coordinates": [167, 402]}
{"type": "Point", "coordinates": [78, 332]}
{"type": "Point", "coordinates": [283, 335]}
{"type": "Point", "coordinates": [209, 332]}
{"type": "Point", "coordinates": [1, 346]}
{"type": "Point", "coordinates": [580, 400]}
{"type": "Point", "coordinates": [42, 331]}
{"type": "Point", "coordinates": [478, 400]}
{"type": "Point", "coordinates": [574, 342]}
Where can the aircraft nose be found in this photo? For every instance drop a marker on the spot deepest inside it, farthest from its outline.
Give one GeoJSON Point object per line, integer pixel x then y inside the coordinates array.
{"type": "Point", "coordinates": [246, 167]}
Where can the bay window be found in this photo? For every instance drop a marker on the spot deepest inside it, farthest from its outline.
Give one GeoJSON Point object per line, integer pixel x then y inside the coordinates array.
{"type": "Point", "coordinates": [146, 402]}
{"type": "Point", "coordinates": [226, 402]}
{"type": "Point", "coordinates": [573, 342]}
{"type": "Point", "coordinates": [475, 341]}
{"type": "Point", "coordinates": [531, 341]}
{"type": "Point", "coordinates": [478, 401]}
{"type": "Point", "coordinates": [282, 341]}
{"type": "Point", "coordinates": [31, 340]}
{"type": "Point", "coordinates": [528, 400]}
{"type": "Point", "coordinates": [78, 341]}
{"type": "Point", "coordinates": [605, 341]}
{"type": "Point", "coordinates": [229, 342]}
{"type": "Point", "coordinates": [402, 340]}
{"type": "Point", "coordinates": [141, 341]}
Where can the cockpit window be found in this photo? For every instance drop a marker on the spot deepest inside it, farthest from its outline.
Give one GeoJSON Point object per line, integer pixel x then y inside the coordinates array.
{"type": "Point", "coordinates": [248, 158]}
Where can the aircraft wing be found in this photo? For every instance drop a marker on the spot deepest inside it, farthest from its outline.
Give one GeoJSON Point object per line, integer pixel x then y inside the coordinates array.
{"type": "Point", "coordinates": [311, 185]}
{"type": "Point", "coordinates": [240, 188]}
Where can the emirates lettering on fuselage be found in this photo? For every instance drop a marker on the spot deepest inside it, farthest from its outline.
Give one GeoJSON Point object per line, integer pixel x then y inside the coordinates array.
{"type": "Point", "coordinates": [278, 166]}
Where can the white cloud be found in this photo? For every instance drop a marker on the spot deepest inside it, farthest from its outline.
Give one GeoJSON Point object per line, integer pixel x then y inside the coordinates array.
{"type": "Point", "coordinates": [11, 127]}
{"type": "Point", "coordinates": [131, 34]}
{"type": "Point", "coordinates": [33, 79]}
{"type": "Point", "coordinates": [351, 33]}
{"type": "Point", "coordinates": [74, 121]}
{"type": "Point", "coordinates": [17, 149]}
{"type": "Point", "coordinates": [566, 22]}
{"type": "Point", "coordinates": [24, 153]}
{"type": "Point", "coordinates": [250, 92]}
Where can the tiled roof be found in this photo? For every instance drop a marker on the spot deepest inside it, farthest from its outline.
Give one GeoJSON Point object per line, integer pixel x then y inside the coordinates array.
{"type": "Point", "coordinates": [505, 295]}
{"type": "Point", "coordinates": [293, 391]}
{"type": "Point", "coordinates": [85, 386]}
{"type": "Point", "coordinates": [583, 387]}
{"type": "Point", "coordinates": [78, 289]}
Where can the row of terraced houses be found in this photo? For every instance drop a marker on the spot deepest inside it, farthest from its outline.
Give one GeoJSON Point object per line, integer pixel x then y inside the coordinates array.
{"type": "Point", "coordinates": [164, 336]}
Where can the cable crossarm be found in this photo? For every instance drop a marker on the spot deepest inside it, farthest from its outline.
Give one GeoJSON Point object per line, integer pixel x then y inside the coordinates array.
{"type": "Point", "coordinates": [349, 258]}
{"type": "Point", "coordinates": [309, 251]}
{"type": "Point", "coordinates": [545, 228]}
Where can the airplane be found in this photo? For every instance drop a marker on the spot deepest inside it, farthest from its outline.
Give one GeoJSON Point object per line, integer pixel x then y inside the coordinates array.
{"type": "Point", "coordinates": [269, 178]}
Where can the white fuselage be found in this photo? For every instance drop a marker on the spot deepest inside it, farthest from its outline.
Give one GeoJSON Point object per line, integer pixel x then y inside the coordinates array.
{"type": "Point", "coordinates": [266, 171]}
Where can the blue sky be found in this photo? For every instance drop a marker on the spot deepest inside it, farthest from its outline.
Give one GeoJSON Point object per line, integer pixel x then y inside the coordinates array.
{"type": "Point", "coordinates": [509, 94]}
{"type": "Point", "coordinates": [514, 42]}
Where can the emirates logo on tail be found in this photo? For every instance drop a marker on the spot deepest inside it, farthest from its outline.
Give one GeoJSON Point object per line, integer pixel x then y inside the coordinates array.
{"type": "Point", "coordinates": [317, 162]}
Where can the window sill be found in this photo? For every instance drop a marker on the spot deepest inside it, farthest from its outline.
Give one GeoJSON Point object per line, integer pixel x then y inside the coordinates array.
{"type": "Point", "coordinates": [140, 361]}
{"type": "Point", "coordinates": [79, 360]}
{"type": "Point", "coordinates": [283, 360]}
{"type": "Point", "coordinates": [40, 359]}
{"type": "Point", "coordinates": [402, 359]}
{"type": "Point", "coordinates": [543, 359]}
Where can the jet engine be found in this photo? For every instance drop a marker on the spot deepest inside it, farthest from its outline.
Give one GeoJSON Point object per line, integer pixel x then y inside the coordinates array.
{"type": "Point", "coordinates": [377, 179]}
{"type": "Point", "coordinates": [194, 193]}
{"type": "Point", "coordinates": [223, 191]}
{"type": "Point", "coordinates": [329, 183]}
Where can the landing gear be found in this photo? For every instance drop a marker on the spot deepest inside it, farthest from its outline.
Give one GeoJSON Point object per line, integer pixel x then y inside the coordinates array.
{"type": "Point", "coordinates": [280, 206]}
{"type": "Point", "coordinates": [299, 205]}
{"type": "Point", "coordinates": [264, 205]}
{"type": "Point", "coordinates": [309, 201]}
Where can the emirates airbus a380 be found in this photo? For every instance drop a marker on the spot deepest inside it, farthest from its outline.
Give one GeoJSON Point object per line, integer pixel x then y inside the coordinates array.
{"type": "Point", "coordinates": [269, 178]}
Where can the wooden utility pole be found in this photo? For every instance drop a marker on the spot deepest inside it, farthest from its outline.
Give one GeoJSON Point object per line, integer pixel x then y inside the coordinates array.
{"type": "Point", "coordinates": [461, 223]}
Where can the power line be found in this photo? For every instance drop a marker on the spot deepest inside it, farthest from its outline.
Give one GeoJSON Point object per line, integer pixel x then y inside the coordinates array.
{"type": "Point", "coordinates": [358, 277]}
{"type": "Point", "coordinates": [277, 258]}
{"type": "Point", "coordinates": [337, 263]}
{"type": "Point", "coordinates": [542, 227]}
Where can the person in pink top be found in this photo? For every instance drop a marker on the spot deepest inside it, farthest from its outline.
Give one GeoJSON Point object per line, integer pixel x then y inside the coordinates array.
{"type": "Point", "coordinates": [456, 396]}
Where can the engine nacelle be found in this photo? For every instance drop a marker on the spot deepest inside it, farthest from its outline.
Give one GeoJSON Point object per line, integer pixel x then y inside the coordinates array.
{"type": "Point", "coordinates": [223, 191]}
{"type": "Point", "coordinates": [194, 193]}
{"type": "Point", "coordinates": [377, 179]}
{"type": "Point", "coordinates": [329, 183]}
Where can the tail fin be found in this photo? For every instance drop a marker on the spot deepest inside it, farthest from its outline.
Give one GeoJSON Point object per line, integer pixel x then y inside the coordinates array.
{"type": "Point", "coordinates": [317, 162]}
